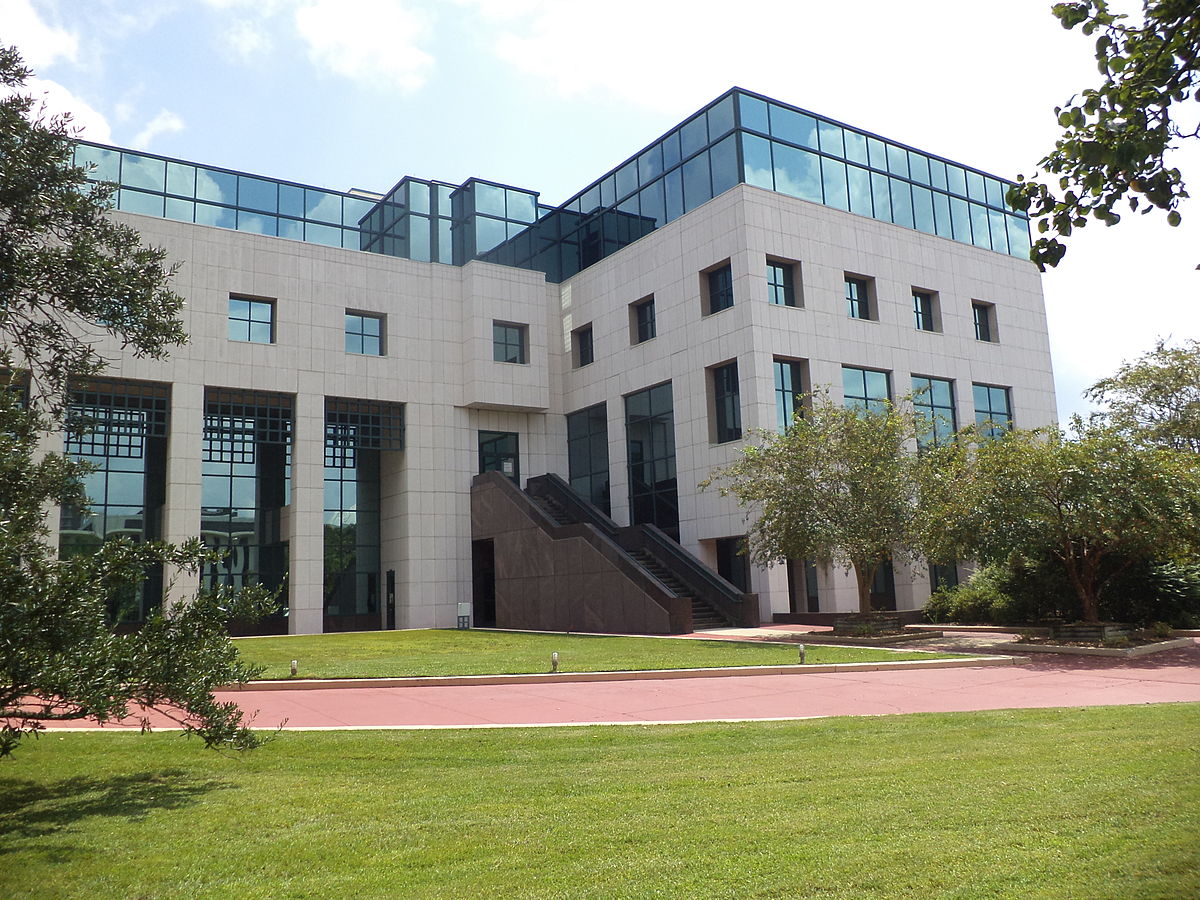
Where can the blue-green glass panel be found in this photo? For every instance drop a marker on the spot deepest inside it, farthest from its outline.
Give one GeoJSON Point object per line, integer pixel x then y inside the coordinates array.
{"type": "Point", "coordinates": [720, 118]}
{"type": "Point", "coordinates": [354, 210]}
{"type": "Point", "coordinates": [693, 135]}
{"type": "Point", "coordinates": [445, 252]}
{"type": "Point", "coordinates": [753, 113]}
{"type": "Point", "coordinates": [697, 183]}
{"type": "Point", "coordinates": [653, 203]}
{"type": "Point", "coordinates": [956, 180]}
{"type": "Point", "coordinates": [670, 150]}
{"type": "Point", "coordinates": [255, 193]}
{"type": "Point", "coordinates": [650, 164]}
{"type": "Point", "coordinates": [673, 182]}
{"type": "Point", "coordinates": [960, 216]}
{"type": "Point", "coordinates": [323, 207]}
{"type": "Point", "coordinates": [793, 127]}
{"type": "Point", "coordinates": [723, 161]}
{"type": "Point", "coordinates": [877, 153]}
{"type": "Point", "coordinates": [856, 147]}
{"type": "Point", "coordinates": [488, 233]}
{"type": "Point", "coordinates": [937, 174]}
{"type": "Point", "coordinates": [853, 382]}
{"type": "Point", "coordinates": [798, 173]}
{"type": "Point", "coordinates": [590, 201]}
{"type": "Point", "coordinates": [876, 384]}
{"type": "Point", "coordinates": [627, 179]}
{"type": "Point", "coordinates": [860, 189]}
{"type": "Point", "coordinates": [328, 235]}
{"type": "Point", "coordinates": [941, 215]}
{"type": "Point", "coordinates": [181, 210]}
{"type": "Point", "coordinates": [979, 226]}
{"type": "Point", "coordinates": [103, 164]}
{"type": "Point", "coordinates": [923, 209]}
{"type": "Point", "coordinates": [881, 192]}
{"type": "Point", "coordinates": [608, 191]}
{"type": "Point", "coordinates": [995, 193]}
{"type": "Point", "coordinates": [143, 172]}
{"type": "Point", "coordinates": [445, 199]}
{"type": "Point", "coordinates": [901, 203]}
{"type": "Point", "coordinates": [418, 196]}
{"type": "Point", "coordinates": [140, 202]}
{"type": "Point", "coordinates": [291, 201]}
{"type": "Point", "coordinates": [975, 188]}
{"type": "Point", "coordinates": [999, 229]}
{"type": "Point", "coordinates": [291, 228]}
{"type": "Point", "coordinates": [897, 159]}
{"type": "Point", "coordinates": [522, 206]}
{"type": "Point", "coordinates": [981, 397]}
{"type": "Point", "coordinates": [1018, 236]}
{"type": "Point", "coordinates": [214, 215]}
{"type": "Point", "coordinates": [833, 177]}
{"type": "Point", "coordinates": [219, 187]}
{"type": "Point", "coordinates": [257, 223]}
{"type": "Point", "coordinates": [489, 199]}
{"type": "Point", "coordinates": [830, 137]}
{"type": "Point", "coordinates": [418, 239]}
{"type": "Point", "coordinates": [181, 179]}
{"type": "Point", "coordinates": [756, 157]}
{"type": "Point", "coordinates": [918, 167]}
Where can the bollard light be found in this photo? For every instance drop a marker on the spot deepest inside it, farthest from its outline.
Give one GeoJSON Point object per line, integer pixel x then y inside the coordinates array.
{"type": "Point", "coordinates": [554, 661]}
{"type": "Point", "coordinates": [801, 654]}
{"type": "Point", "coordinates": [293, 668]}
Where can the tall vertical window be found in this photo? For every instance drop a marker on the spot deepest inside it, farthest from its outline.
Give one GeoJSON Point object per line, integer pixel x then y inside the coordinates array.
{"type": "Point", "coordinates": [789, 391]}
{"type": "Point", "coordinates": [641, 321]}
{"type": "Point", "coordinates": [719, 284]}
{"type": "Point", "coordinates": [364, 334]}
{"type": "Point", "coordinates": [984, 315]}
{"type": "Point", "coordinates": [923, 311]}
{"type": "Point", "coordinates": [251, 320]}
{"type": "Point", "coordinates": [650, 450]}
{"type": "Point", "coordinates": [508, 342]}
{"type": "Point", "coordinates": [727, 408]}
{"type": "Point", "coordinates": [499, 451]}
{"type": "Point", "coordinates": [933, 402]}
{"type": "Point", "coordinates": [587, 454]}
{"type": "Point", "coordinates": [732, 564]}
{"type": "Point", "coordinates": [993, 412]}
{"type": "Point", "coordinates": [803, 594]}
{"type": "Point", "coordinates": [781, 286]}
{"type": "Point", "coordinates": [865, 389]}
{"type": "Point", "coordinates": [858, 298]}
{"type": "Point", "coordinates": [583, 349]}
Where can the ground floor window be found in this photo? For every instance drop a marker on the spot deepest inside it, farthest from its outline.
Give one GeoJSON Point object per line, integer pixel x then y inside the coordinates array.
{"type": "Point", "coordinates": [499, 451]}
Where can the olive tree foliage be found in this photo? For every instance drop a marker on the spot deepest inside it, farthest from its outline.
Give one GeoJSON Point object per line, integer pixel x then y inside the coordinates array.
{"type": "Point", "coordinates": [1097, 501]}
{"type": "Point", "coordinates": [1117, 136]}
{"type": "Point", "coordinates": [837, 486]}
{"type": "Point", "coordinates": [1156, 397]}
{"type": "Point", "coordinates": [68, 275]}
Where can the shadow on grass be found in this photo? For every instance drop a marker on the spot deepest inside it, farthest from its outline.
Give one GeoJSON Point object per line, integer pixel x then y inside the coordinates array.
{"type": "Point", "coordinates": [38, 809]}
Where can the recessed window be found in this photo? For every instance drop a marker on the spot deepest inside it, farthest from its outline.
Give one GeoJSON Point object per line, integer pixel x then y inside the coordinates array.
{"type": "Point", "coordinates": [508, 342]}
{"type": "Point", "coordinates": [727, 408]}
{"type": "Point", "coordinates": [933, 402]}
{"type": "Point", "coordinates": [859, 302]}
{"type": "Point", "coordinates": [984, 316]}
{"type": "Point", "coordinates": [364, 334]}
{"type": "Point", "coordinates": [499, 451]}
{"type": "Point", "coordinates": [865, 389]}
{"type": "Point", "coordinates": [790, 380]}
{"type": "Point", "coordinates": [718, 289]}
{"type": "Point", "coordinates": [581, 340]}
{"type": "Point", "coordinates": [925, 311]}
{"type": "Point", "coordinates": [252, 320]}
{"type": "Point", "coordinates": [732, 563]}
{"type": "Point", "coordinates": [781, 283]}
{"type": "Point", "coordinates": [641, 321]}
{"type": "Point", "coordinates": [993, 411]}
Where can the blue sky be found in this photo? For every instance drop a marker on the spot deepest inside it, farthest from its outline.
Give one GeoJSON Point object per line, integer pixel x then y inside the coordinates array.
{"type": "Point", "coordinates": [549, 94]}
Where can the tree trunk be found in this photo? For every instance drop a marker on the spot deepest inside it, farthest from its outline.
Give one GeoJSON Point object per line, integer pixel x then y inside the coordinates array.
{"type": "Point", "coordinates": [863, 578]}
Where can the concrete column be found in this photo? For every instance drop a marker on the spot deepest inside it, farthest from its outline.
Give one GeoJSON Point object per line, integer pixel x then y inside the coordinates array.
{"type": "Point", "coordinates": [305, 520]}
{"type": "Point", "coordinates": [181, 513]}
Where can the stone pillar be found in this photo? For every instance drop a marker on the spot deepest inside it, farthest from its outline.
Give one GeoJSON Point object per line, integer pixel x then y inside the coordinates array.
{"type": "Point", "coordinates": [181, 513]}
{"type": "Point", "coordinates": [305, 520]}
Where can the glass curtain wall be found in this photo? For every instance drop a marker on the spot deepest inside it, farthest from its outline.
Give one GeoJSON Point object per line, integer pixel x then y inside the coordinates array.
{"type": "Point", "coordinates": [650, 438]}
{"type": "Point", "coordinates": [587, 455]}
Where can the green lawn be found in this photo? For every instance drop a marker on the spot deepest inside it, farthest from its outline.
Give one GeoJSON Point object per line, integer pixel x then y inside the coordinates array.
{"type": "Point", "coordinates": [439, 652]}
{"type": "Point", "coordinates": [1096, 803]}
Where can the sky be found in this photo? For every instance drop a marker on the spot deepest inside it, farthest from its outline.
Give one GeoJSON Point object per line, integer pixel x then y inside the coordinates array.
{"type": "Point", "coordinates": [550, 94]}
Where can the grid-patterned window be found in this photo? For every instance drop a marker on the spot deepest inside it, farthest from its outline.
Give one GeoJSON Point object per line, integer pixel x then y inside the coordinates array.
{"type": "Point", "coordinates": [727, 412]}
{"type": "Point", "coordinates": [650, 451]}
{"type": "Point", "coordinates": [499, 451]}
{"type": "Point", "coordinates": [781, 287]}
{"type": "Point", "coordinates": [789, 391]}
{"type": "Point", "coordinates": [858, 300]}
{"type": "Point", "coordinates": [984, 316]}
{"type": "Point", "coordinates": [642, 326]}
{"type": "Point", "coordinates": [933, 402]}
{"type": "Point", "coordinates": [923, 311]}
{"type": "Point", "coordinates": [251, 320]}
{"type": "Point", "coordinates": [508, 342]}
{"type": "Point", "coordinates": [584, 350]}
{"type": "Point", "coordinates": [364, 334]}
{"type": "Point", "coordinates": [587, 454]}
{"type": "Point", "coordinates": [865, 388]}
{"type": "Point", "coordinates": [352, 425]}
{"type": "Point", "coordinates": [993, 411]}
{"type": "Point", "coordinates": [720, 288]}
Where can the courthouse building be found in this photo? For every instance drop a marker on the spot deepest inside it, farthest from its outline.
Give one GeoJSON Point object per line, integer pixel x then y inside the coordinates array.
{"type": "Point", "coordinates": [357, 360]}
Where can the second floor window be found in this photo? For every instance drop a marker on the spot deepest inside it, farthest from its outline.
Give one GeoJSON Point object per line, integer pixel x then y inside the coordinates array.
{"type": "Point", "coordinates": [727, 419]}
{"type": "Point", "coordinates": [364, 334]}
{"type": "Point", "coordinates": [251, 320]}
{"type": "Point", "coordinates": [865, 388]}
{"type": "Point", "coordinates": [508, 342]}
{"type": "Point", "coordinates": [858, 301]}
{"type": "Point", "coordinates": [720, 289]}
{"type": "Point", "coordinates": [781, 289]}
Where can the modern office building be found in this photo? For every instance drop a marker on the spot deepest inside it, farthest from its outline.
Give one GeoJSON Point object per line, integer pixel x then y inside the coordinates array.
{"type": "Point", "coordinates": [358, 360]}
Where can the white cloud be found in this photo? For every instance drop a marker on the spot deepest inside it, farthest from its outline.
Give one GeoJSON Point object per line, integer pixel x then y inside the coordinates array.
{"type": "Point", "coordinates": [247, 40]}
{"type": "Point", "coordinates": [373, 42]}
{"type": "Point", "coordinates": [56, 100]}
{"type": "Point", "coordinates": [40, 43]}
{"type": "Point", "coordinates": [166, 122]}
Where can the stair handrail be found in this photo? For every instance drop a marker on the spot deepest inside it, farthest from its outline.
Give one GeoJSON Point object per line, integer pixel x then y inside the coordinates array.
{"type": "Point", "coordinates": [694, 570]}
{"type": "Point", "coordinates": [556, 487]}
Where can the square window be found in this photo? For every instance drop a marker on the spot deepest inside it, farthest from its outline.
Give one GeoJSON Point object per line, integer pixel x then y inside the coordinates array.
{"type": "Point", "coordinates": [866, 389]}
{"type": "Point", "coordinates": [581, 340]}
{"type": "Point", "coordinates": [726, 397]}
{"type": "Point", "coordinates": [859, 302]}
{"type": "Point", "coordinates": [508, 342]}
{"type": "Point", "coordinates": [364, 334]}
{"type": "Point", "coordinates": [993, 409]}
{"type": "Point", "coordinates": [642, 327]}
{"type": "Point", "coordinates": [781, 283]}
{"type": "Point", "coordinates": [251, 320]}
{"type": "Point", "coordinates": [984, 316]}
{"type": "Point", "coordinates": [717, 286]}
{"type": "Point", "coordinates": [925, 310]}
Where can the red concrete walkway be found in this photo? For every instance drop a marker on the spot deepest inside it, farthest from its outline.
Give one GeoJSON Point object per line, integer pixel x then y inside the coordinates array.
{"type": "Point", "coordinates": [1170, 676]}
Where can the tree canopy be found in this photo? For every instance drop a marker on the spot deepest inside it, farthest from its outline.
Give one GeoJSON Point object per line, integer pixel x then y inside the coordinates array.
{"type": "Point", "coordinates": [68, 273]}
{"type": "Point", "coordinates": [1156, 397]}
{"type": "Point", "coordinates": [1117, 136]}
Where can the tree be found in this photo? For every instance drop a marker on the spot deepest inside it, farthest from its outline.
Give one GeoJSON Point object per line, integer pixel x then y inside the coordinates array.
{"type": "Point", "coordinates": [1156, 397]}
{"type": "Point", "coordinates": [1097, 502]}
{"type": "Point", "coordinates": [68, 273]}
{"type": "Point", "coordinates": [1116, 137]}
{"type": "Point", "coordinates": [837, 486]}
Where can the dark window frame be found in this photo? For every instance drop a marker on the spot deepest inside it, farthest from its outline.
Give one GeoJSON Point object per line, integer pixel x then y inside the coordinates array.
{"type": "Point", "coordinates": [865, 400]}
{"type": "Point", "coordinates": [643, 325]}
{"type": "Point", "coordinates": [583, 346]}
{"type": "Point", "coordinates": [503, 343]}
{"type": "Point", "coordinates": [983, 317]}
{"type": "Point", "coordinates": [789, 399]}
{"type": "Point", "coordinates": [361, 336]}
{"type": "Point", "coordinates": [718, 288]}
{"type": "Point", "coordinates": [925, 310]}
{"type": "Point", "coordinates": [726, 403]}
{"type": "Point", "coordinates": [254, 304]}
{"type": "Point", "coordinates": [781, 282]}
{"type": "Point", "coordinates": [860, 302]}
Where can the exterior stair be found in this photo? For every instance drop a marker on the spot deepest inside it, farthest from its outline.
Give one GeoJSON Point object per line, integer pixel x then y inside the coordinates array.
{"type": "Point", "coordinates": [553, 509]}
{"type": "Point", "coordinates": [659, 571]}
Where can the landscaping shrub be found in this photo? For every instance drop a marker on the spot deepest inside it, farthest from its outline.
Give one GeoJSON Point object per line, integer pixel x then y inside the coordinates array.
{"type": "Point", "coordinates": [977, 601]}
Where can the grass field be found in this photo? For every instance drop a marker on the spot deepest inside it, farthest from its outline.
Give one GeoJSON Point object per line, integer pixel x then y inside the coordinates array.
{"type": "Point", "coordinates": [1074, 803]}
{"type": "Point", "coordinates": [443, 652]}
